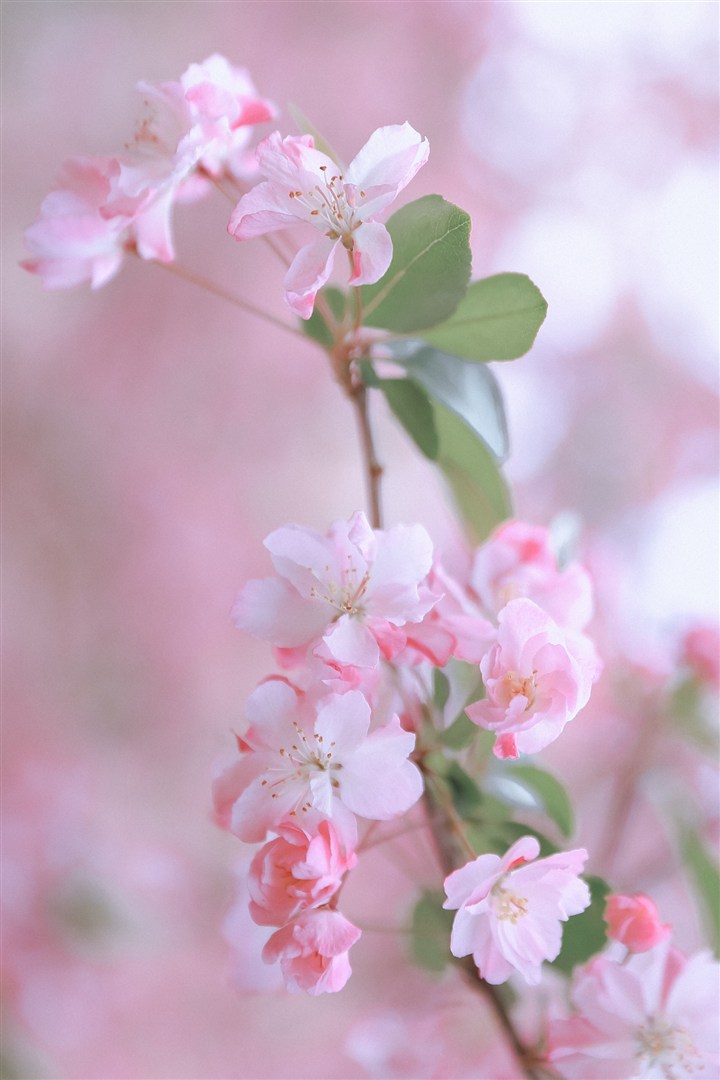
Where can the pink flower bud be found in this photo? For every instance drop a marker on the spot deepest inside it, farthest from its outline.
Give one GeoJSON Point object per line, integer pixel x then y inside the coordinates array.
{"type": "Point", "coordinates": [634, 921]}
{"type": "Point", "coordinates": [313, 951]}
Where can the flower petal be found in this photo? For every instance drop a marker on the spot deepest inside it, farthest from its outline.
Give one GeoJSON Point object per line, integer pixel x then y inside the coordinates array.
{"type": "Point", "coordinates": [390, 158]}
{"type": "Point", "coordinates": [371, 254]}
{"type": "Point", "coordinates": [308, 272]}
{"type": "Point", "coordinates": [263, 209]}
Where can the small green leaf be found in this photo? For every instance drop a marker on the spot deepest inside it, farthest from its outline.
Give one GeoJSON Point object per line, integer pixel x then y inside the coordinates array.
{"type": "Point", "coordinates": [430, 933]}
{"type": "Point", "coordinates": [705, 876]}
{"type": "Point", "coordinates": [549, 792]}
{"type": "Point", "coordinates": [430, 268]}
{"type": "Point", "coordinates": [466, 795]}
{"type": "Point", "coordinates": [471, 391]}
{"type": "Point", "coordinates": [460, 733]}
{"type": "Point", "coordinates": [441, 690]}
{"type": "Point", "coordinates": [585, 934]}
{"type": "Point", "coordinates": [306, 127]}
{"type": "Point", "coordinates": [315, 327]}
{"type": "Point", "coordinates": [480, 491]}
{"type": "Point", "coordinates": [413, 409]}
{"type": "Point", "coordinates": [498, 319]}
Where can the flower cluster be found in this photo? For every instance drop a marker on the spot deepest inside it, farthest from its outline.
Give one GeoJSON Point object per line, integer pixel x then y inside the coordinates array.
{"type": "Point", "coordinates": [194, 131]}
{"type": "Point", "coordinates": [360, 618]}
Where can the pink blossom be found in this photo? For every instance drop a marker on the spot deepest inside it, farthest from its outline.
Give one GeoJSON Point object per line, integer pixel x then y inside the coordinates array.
{"type": "Point", "coordinates": [354, 588]}
{"type": "Point", "coordinates": [635, 922]}
{"type": "Point", "coordinates": [313, 951]}
{"type": "Point", "coordinates": [302, 868]}
{"type": "Point", "coordinates": [454, 626]}
{"type": "Point", "coordinates": [301, 758]}
{"type": "Point", "coordinates": [71, 242]}
{"type": "Point", "coordinates": [537, 678]}
{"type": "Point", "coordinates": [518, 561]}
{"type": "Point", "coordinates": [305, 185]}
{"type": "Point", "coordinates": [509, 909]}
{"type": "Point", "coordinates": [654, 1015]}
{"type": "Point", "coordinates": [701, 652]}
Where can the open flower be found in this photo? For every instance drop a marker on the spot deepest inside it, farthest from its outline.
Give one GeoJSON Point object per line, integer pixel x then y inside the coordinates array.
{"type": "Point", "coordinates": [537, 678]}
{"type": "Point", "coordinates": [653, 1015]}
{"type": "Point", "coordinates": [305, 185]}
{"type": "Point", "coordinates": [355, 588]}
{"type": "Point", "coordinates": [313, 951]}
{"type": "Point", "coordinates": [509, 909]}
{"type": "Point", "coordinates": [298, 760]}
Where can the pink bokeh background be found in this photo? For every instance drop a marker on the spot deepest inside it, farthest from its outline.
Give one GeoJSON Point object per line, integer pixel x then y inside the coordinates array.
{"type": "Point", "coordinates": [154, 436]}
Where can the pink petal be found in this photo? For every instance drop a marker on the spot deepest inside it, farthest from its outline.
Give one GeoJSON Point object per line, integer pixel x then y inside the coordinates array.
{"type": "Point", "coordinates": [372, 253]}
{"type": "Point", "coordinates": [272, 610]}
{"type": "Point", "coordinates": [350, 641]}
{"type": "Point", "coordinates": [308, 272]}
{"type": "Point", "coordinates": [390, 158]}
{"type": "Point", "coordinates": [263, 209]}
{"type": "Point", "coordinates": [344, 720]}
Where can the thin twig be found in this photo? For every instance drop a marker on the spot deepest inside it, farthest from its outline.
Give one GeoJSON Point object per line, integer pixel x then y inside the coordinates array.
{"type": "Point", "coordinates": [373, 468]}
{"type": "Point", "coordinates": [218, 290]}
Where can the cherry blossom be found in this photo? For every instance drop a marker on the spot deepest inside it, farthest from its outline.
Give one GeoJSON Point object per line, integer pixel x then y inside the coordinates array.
{"type": "Point", "coordinates": [509, 909]}
{"type": "Point", "coordinates": [301, 758]}
{"type": "Point", "coordinates": [634, 921]}
{"type": "Point", "coordinates": [356, 588]}
{"type": "Point", "coordinates": [313, 951]}
{"type": "Point", "coordinates": [518, 561]}
{"type": "Point", "coordinates": [653, 1015]}
{"type": "Point", "coordinates": [305, 185]}
{"type": "Point", "coordinates": [537, 678]}
{"type": "Point", "coordinates": [302, 868]}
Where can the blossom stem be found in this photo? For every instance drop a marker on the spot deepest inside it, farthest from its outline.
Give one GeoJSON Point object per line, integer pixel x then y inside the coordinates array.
{"type": "Point", "coordinates": [451, 856]}
{"type": "Point", "coordinates": [373, 468]}
{"type": "Point", "coordinates": [218, 290]}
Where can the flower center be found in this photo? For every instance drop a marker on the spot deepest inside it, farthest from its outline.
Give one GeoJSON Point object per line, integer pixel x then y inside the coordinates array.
{"type": "Point", "coordinates": [303, 761]}
{"type": "Point", "coordinates": [345, 598]}
{"type": "Point", "coordinates": [333, 206]}
{"type": "Point", "coordinates": [515, 685]}
{"type": "Point", "coordinates": [506, 905]}
{"type": "Point", "coordinates": [671, 1048]}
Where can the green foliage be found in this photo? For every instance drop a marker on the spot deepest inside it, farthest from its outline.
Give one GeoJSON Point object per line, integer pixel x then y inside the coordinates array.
{"type": "Point", "coordinates": [441, 690]}
{"type": "Point", "coordinates": [460, 733]}
{"type": "Point", "coordinates": [430, 268]}
{"type": "Point", "coordinates": [479, 489]}
{"type": "Point", "coordinates": [585, 934]}
{"type": "Point", "coordinates": [430, 933]}
{"type": "Point", "coordinates": [412, 408]}
{"type": "Point", "coordinates": [498, 319]}
{"type": "Point", "coordinates": [470, 391]}
{"type": "Point", "coordinates": [315, 327]}
{"type": "Point", "coordinates": [548, 791]}
{"type": "Point", "coordinates": [705, 877]}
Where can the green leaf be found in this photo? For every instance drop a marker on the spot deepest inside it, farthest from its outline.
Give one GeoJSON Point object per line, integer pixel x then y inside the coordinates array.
{"type": "Point", "coordinates": [460, 733]}
{"type": "Point", "coordinates": [441, 690]}
{"type": "Point", "coordinates": [585, 934]}
{"type": "Point", "coordinates": [497, 320]}
{"type": "Point", "coordinates": [315, 327]}
{"type": "Point", "coordinates": [480, 491]}
{"type": "Point", "coordinates": [413, 409]}
{"type": "Point", "coordinates": [430, 933]}
{"type": "Point", "coordinates": [306, 127]}
{"type": "Point", "coordinates": [430, 268]}
{"type": "Point", "coordinates": [548, 791]}
{"type": "Point", "coordinates": [466, 795]}
{"type": "Point", "coordinates": [471, 391]}
{"type": "Point", "coordinates": [705, 875]}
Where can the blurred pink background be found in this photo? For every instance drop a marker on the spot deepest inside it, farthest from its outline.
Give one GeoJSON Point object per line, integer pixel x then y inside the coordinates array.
{"type": "Point", "coordinates": [154, 436]}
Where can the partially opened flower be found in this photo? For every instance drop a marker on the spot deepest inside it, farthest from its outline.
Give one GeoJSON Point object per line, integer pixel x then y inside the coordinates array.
{"type": "Point", "coordinates": [634, 921]}
{"type": "Point", "coordinates": [313, 951]}
{"type": "Point", "coordinates": [304, 185]}
{"type": "Point", "coordinates": [537, 678]}
{"type": "Point", "coordinates": [301, 868]}
{"type": "Point", "coordinates": [510, 909]}
{"type": "Point", "coordinates": [653, 1015]}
